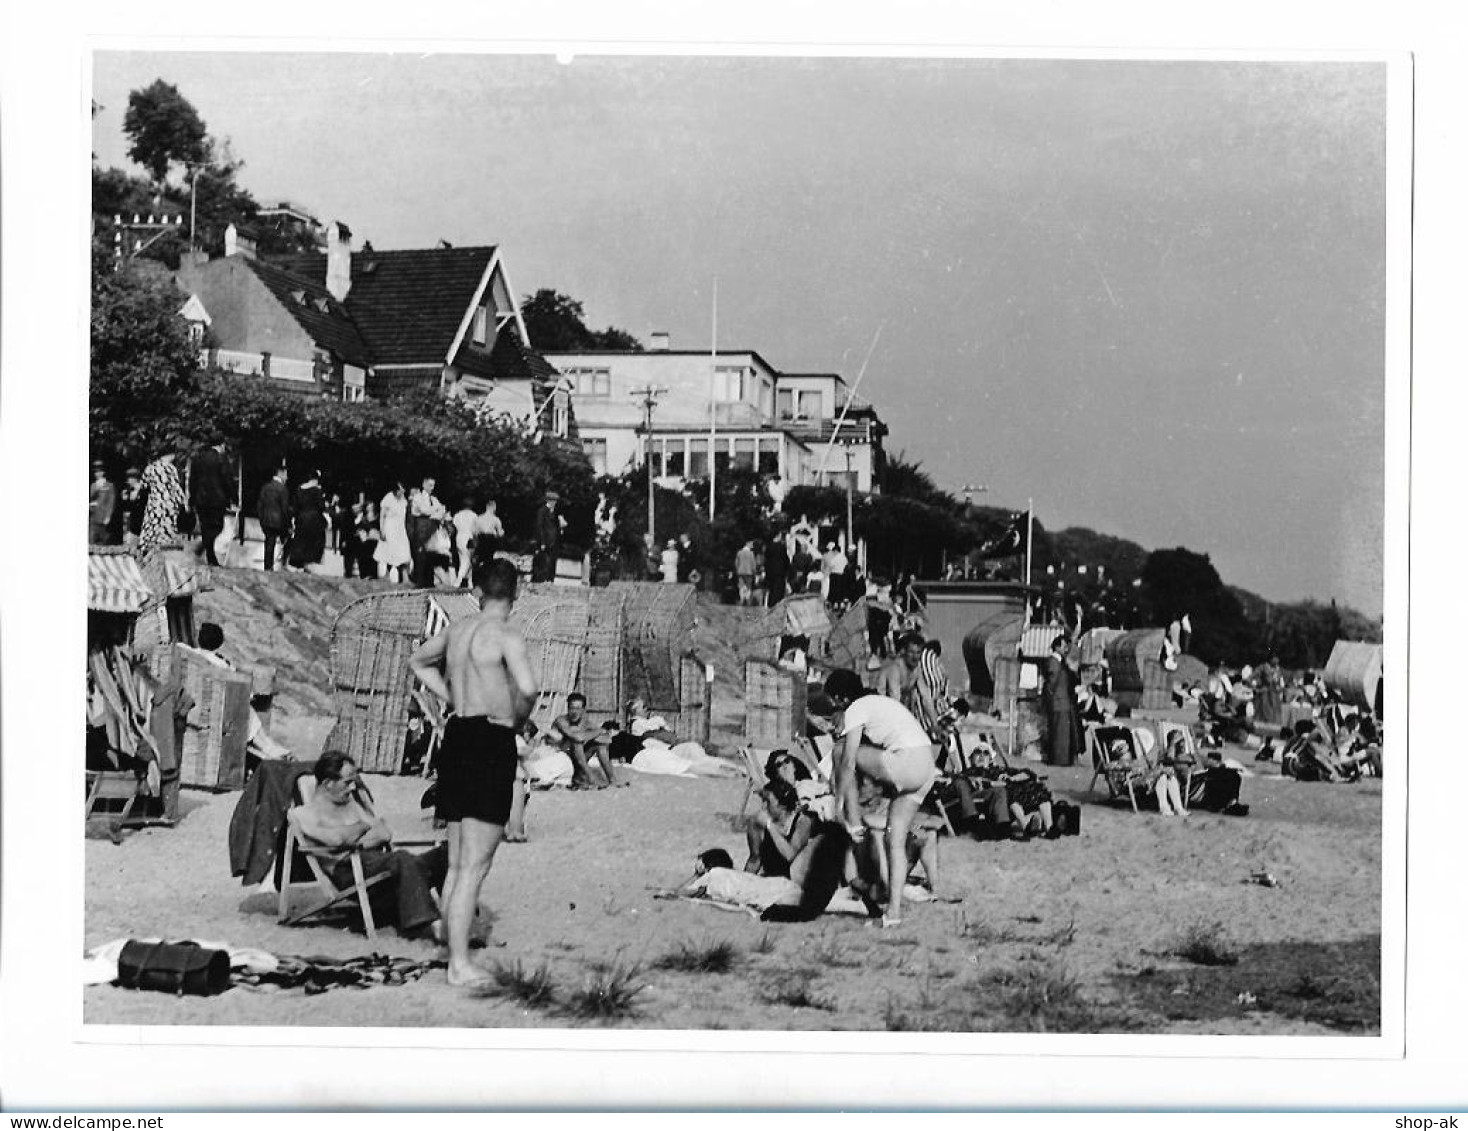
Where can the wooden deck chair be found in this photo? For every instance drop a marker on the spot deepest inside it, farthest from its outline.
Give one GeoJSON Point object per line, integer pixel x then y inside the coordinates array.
{"type": "Point", "coordinates": [754, 771]}
{"type": "Point", "coordinates": [435, 716]}
{"type": "Point", "coordinates": [1167, 731]}
{"type": "Point", "coordinates": [1123, 775]}
{"type": "Point", "coordinates": [115, 785]}
{"type": "Point", "coordinates": [329, 895]}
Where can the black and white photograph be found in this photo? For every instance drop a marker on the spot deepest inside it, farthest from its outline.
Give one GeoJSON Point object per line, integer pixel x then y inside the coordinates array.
{"type": "Point", "coordinates": [647, 547]}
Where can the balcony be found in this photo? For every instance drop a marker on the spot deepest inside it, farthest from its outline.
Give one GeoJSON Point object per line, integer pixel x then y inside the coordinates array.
{"type": "Point", "coordinates": [263, 365]}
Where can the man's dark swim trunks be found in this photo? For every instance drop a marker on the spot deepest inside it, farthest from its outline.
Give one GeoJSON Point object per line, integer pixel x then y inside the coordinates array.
{"type": "Point", "coordinates": [476, 770]}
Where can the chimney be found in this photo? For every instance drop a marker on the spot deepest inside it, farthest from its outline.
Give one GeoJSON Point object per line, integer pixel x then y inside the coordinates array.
{"type": "Point", "coordinates": [661, 342]}
{"type": "Point", "coordinates": [338, 260]}
{"type": "Point", "coordinates": [236, 244]}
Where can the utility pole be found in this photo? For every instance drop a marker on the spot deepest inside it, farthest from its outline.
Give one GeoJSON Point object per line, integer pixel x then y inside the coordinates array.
{"type": "Point", "coordinates": [850, 540]}
{"type": "Point", "coordinates": [649, 394]}
{"type": "Point", "coordinates": [713, 397]}
{"type": "Point", "coordinates": [193, 167]}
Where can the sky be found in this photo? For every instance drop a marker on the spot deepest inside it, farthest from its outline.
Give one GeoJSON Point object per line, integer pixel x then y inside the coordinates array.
{"type": "Point", "coordinates": [1147, 294]}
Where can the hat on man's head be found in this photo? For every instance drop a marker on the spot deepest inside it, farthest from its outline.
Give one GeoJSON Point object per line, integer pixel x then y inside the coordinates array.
{"type": "Point", "coordinates": [552, 495]}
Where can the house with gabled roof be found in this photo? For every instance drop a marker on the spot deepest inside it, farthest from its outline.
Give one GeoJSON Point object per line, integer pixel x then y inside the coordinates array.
{"type": "Point", "coordinates": [369, 324]}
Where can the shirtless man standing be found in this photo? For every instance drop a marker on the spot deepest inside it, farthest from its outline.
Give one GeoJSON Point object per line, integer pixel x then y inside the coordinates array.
{"type": "Point", "coordinates": [902, 679]}
{"type": "Point", "coordinates": [480, 667]}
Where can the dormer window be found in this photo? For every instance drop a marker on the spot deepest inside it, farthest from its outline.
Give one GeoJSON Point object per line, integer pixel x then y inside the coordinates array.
{"type": "Point", "coordinates": [299, 297]}
{"type": "Point", "coordinates": [323, 305]}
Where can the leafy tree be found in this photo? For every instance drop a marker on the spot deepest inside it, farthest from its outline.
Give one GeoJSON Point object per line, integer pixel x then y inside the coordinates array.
{"type": "Point", "coordinates": [1303, 633]}
{"type": "Point", "coordinates": [164, 129]}
{"type": "Point", "coordinates": [555, 321]}
{"type": "Point", "coordinates": [1179, 581]}
{"type": "Point", "coordinates": [906, 479]}
{"type": "Point", "coordinates": [819, 504]}
{"type": "Point", "coordinates": [142, 361]}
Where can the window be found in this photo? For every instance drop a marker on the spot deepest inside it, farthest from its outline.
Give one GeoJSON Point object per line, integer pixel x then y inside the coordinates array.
{"type": "Point", "coordinates": [675, 459]}
{"type": "Point", "coordinates": [353, 394]}
{"type": "Point", "coordinates": [591, 382]}
{"type": "Point", "coordinates": [785, 403]}
{"type": "Point", "coordinates": [560, 412]}
{"type": "Point", "coordinates": [653, 450]}
{"type": "Point", "coordinates": [698, 459]}
{"type": "Point", "coordinates": [481, 325]}
{"type": "Point", "coordinates": [721, 455]}
{"type": "Point", "coordinates": [596, 453]}
{"type": "Point", "coordinates": [810, 404]}
{"type": "Point", "coordinates": [744, 453]}
{"type": "Point", "coordinates": [729, 383]}
{"type": "Point", "coordinates": [769, 456]}
{"type": "Point", "coordinates": [766, 398]}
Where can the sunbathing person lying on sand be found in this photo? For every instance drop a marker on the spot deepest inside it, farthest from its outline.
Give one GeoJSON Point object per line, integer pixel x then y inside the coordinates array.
{"type": "Point", "coordinates": [716, 881]}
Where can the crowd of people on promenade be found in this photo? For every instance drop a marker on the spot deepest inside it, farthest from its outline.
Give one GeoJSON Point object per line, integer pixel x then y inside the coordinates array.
{"type": "Point", "coordinates": [408, 535]}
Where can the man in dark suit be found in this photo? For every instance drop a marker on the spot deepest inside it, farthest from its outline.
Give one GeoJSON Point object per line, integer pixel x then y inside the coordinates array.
{"type": "Point", "coordinates": [777, 570]}
{"type": "Point", "coordinates": [547, 539]}
{"type": "Point", "coordinates": [210, 492]}
{"type": "Point", "coordinates": [273, 509]}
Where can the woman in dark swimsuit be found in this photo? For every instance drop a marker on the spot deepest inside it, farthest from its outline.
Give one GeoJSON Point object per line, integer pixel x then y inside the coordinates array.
{"type": "Point", "coordinates": [779, 833]}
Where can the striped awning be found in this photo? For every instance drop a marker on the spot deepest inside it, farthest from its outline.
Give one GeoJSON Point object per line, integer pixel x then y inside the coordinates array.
{"type": "Point", "coordinates": [1035, 643]}
{"type": "Point", "coordinates": [180, 580]}
{"type": "Point", "coordinates": [115, 584]}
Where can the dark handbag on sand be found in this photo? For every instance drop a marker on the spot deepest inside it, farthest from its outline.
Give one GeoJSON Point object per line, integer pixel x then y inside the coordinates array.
{"type": "Point", "coordinates": [1067, 818]}
{"type": "Point", "coordinates": [173, 968]}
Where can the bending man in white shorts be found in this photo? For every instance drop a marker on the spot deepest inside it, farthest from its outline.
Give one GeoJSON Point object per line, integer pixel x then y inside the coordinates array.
{"type": "Point", "coordinates": [883, 741]}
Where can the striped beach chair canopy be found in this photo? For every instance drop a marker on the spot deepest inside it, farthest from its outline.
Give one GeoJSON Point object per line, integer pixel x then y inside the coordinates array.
{"type": "Point", "coordinates": [1034, 643]}
{"type": "Point", "coordinates": [115, 581]}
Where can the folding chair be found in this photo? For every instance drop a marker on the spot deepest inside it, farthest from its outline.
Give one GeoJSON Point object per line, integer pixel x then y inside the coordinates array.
{"type": "Point", "coordinates": [1166, 732]}
{"type": "Point", "coordinates": [1128, 774]}
{"type": "Point", "coordinates": [435, 717]}
{"type": "Point", "coordinates": [754, 770]}
{"type": "Point", "coordinates": [330, 895]}
{"type": "Point", "coordinates": [115, 785]}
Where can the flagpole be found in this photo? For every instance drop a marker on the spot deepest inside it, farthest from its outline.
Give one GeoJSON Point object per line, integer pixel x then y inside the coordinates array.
{"type": "Point", "coordinates": [713, 397]}
{"type": "Point", "coordinates": [1029, 550]}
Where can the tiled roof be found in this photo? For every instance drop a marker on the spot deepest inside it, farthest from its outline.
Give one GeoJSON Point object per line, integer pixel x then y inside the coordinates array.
{"type": "Point", "coordinates": [407, 305]}
{"type": "Point", "coordinates": [327, 321]}
{"type": "Point", "coordinates": [510, 360]}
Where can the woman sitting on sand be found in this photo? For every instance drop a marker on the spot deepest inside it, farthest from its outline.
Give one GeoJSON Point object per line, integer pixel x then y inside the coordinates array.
{"type": "Point", "coordinates": [779, 833]}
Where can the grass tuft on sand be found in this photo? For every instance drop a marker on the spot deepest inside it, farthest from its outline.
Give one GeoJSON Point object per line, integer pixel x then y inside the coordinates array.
{"type": "Point", "coordinates": [607, 994]}
{"type": "Point", "coordinates": [534, 987]}
{"type": "Point", "coordinates": [690, 957]}
{"type": "Point", "coordinates": [1206, 944]}
{"type": "Point", "coordinates": [794, 988]}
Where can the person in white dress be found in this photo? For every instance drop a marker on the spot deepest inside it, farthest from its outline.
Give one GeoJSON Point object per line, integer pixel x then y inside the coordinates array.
{"type": "Point", "coordinates": [393, 553]}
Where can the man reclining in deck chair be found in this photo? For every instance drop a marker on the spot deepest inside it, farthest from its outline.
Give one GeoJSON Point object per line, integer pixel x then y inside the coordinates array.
{"type": "Point", "coordinates": [339, 819]}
